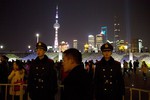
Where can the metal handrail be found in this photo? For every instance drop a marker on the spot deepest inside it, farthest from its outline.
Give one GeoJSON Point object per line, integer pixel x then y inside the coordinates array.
{"type": "Point", "coordinates": [61, 86]}
{"type": "Point", "coordinates": [13, 85]}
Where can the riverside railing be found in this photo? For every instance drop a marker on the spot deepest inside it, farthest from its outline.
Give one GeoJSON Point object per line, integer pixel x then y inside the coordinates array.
{"type": "Point", "coordinates": [5, 89]}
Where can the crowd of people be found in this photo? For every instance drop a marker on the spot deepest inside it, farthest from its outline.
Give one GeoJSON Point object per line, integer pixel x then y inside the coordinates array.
{"type": "Point", "coordinates": [100, 80]}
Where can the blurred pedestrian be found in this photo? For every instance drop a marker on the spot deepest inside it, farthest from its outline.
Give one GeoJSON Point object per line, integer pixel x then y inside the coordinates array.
{"type": "Point", "coordinates": [144, 69]}
{"type": "Point", "coordinates": [4, 69]}
{"type": "Point", "coordinates": [135, 65]}
{"type": "Point", "coordinates": [130, 66]}
{"type": "Point", "coordinates": [42, 78]}
{"type": "Point", "coordinates": [16, 77]}
{"type": "Point", "coordinates": [109, 82]}
{"type": "Point", "coordinates": [125, 68]}
{"type": "Point", "coordinates": [77, 84]}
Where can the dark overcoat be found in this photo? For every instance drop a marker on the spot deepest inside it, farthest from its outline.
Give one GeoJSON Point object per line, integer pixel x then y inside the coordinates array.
{"type": "Point", "coordinates": [77, 85]}
{"type": "Point", "coordinates": [42, 80]}
{"type": "Point", "coordinates": [109, 82]}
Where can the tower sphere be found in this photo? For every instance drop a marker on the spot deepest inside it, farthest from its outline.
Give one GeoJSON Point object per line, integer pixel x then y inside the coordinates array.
{"type": "Point", "coordinates": [56, 25]}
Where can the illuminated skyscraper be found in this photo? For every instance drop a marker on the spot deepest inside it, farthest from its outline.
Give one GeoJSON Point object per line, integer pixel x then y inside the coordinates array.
{"type": "Point", "coordinates": [99, 41]}
{"type": "Point", "coordinates": [56, 26]}
{"type": "Point", "coordinates": [104, 33]}
{"type": "Point", "coordinates": [91, 41]}
{"type": "Point", "coordinates": [136, 45]}
{"type": "Point", "coordinates": [62, 47]}
{"type": "Point", "coordinates": [116, 32]}
{"type": "Point", "coordinates": [75, 44]}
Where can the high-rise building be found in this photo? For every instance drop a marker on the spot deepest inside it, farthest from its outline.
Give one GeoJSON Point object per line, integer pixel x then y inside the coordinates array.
{"type": "Point", "coordinates": [140, 45]}
{"type": "Point", "coordinates": [56, 26]}
{"type": "Point", "coordinates": [75, 44]}
{"type": "Point", "coordinates": [99, 41]}
{"type": "Point", "coordinates": [116, 31]}
{"type": "Point", "coordinates": [136, 45]}
{"type": "Point", "coordinates": [91, 41]}
{"type": "Point", "coordinates": [62, 47]}
{"type": "Point", "coordinates": [104, 33]}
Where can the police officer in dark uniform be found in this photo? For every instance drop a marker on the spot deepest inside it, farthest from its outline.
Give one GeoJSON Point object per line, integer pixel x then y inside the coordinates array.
{"type": "Point", "coordinates": [42, 79]}
{"type": "Point", "coordinates": [109, 82]}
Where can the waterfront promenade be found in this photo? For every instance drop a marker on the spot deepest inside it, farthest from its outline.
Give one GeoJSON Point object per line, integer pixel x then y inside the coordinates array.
{"type": "Point", "coordinates": [137, 81]}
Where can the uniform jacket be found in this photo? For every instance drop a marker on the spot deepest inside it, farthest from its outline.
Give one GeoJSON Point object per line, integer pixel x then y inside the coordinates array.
{"type": "Point", "coordinates": [109, 83]}
{"type": "Point", "coordinates": [77, 85]}
{"type": "Point", "coordinates": [42, 80]}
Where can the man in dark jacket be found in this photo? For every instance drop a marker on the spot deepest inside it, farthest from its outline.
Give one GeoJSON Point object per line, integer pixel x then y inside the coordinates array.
{"type": "Point", "coordinates": [77, 84]}
{"type": "Point", "coordinates": [4, 69]}
{"type": "Point", "coordinates": [109, 82]}
{"type": "Point", "coordinates": [42, 79]}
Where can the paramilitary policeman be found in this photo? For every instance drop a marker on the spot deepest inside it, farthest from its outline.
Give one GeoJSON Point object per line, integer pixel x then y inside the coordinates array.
{"type": "Point", "coordinates": [109, 82]}
{"type": "Point", "coordinates": [42, 79]}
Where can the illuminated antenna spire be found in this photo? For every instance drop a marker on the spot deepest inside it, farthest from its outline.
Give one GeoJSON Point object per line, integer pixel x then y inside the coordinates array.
{"type": "Point", "coordinates": [57, 12]}
{"type": "Point", "coordinates": [56, 26]}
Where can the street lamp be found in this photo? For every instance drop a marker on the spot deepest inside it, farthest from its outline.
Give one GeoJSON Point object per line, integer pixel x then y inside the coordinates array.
{"type": "Point", "coordinates": [1, 46]}
{"type": "Point", "coordinates": [29, 46]}
{"type": "Point", "coordinates": [37, 36]}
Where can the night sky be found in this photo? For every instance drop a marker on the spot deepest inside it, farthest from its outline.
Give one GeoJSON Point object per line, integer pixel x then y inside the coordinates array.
{"type": "Point", "coordinates": [20, 20]}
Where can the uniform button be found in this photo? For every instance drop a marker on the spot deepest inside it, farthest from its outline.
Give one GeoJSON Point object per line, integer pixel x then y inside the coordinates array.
{"type": "Point", "coordinates": [104, 76]}
{"type": "Point", "coordinates": [110, 82]}
{"type": "Point", "coordinates": [36, 67]}
{"type": "Point", "coordinates": [110, 69]}
{"type": "Point", "coordinates": [111, 76]}
{"type": "Point", "coordinates": [37, 87]}
{"type": "Point", "coordinates": [105, 89]}
{"type": "Point", "coordinates": [103, 69]}
{"type": "Point", "coordinates": [42, 67]}
{"type": "Point", "coordinates": [106, 81]}
{"type": "Point", "coordinates": [39, 80]}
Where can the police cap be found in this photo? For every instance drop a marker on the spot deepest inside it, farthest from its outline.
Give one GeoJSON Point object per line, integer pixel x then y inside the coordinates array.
{"type": "Point", "coordinates": [41, 45]}
{"type": "Point", "coordinates": [106, 47]}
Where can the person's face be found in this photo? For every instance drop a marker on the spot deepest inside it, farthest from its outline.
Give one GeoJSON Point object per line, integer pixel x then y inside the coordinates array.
{"type": "Point", "coordinates": [66, 63]}
{"type": "Point", "coordinates": [15, 66]}
{"type": "Point", "coordinates": [40, 52]}
{"type": "Point", "coordinates": [107, 54]}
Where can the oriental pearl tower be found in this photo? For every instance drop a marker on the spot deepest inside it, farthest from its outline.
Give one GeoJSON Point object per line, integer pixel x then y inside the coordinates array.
{"type": "Point", "coordinates": [56, 27]}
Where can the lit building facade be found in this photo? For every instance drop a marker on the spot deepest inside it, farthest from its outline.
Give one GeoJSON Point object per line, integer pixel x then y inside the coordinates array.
{"type": "Point", "coordinates": [99, 41]}
{"type": "Point", "coordinates": [75, 44]}
{"type": "Point", "coordinates": [116, 32]}
{"type": "Point", "coordinates": [136, 45]}
{"type": "Point", "coordinates": [122, 46]}
{"type": "Point", "coordinates": [91, 42]}
{"type": "Point", "coordinates": [140, 45]}
{"type": "Point", "coordinates": [104, 33]}
{"type": "Point", "coordinates": [86, 47]}
{"type": "Point", "coordinates": [62, 47]}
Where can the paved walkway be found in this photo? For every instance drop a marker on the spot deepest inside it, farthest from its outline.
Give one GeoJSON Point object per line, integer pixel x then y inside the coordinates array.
{"type": "Point", "coordinates": [137, 81]}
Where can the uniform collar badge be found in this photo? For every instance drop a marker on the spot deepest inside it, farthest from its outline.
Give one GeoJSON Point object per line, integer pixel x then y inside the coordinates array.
{"type": "Point", "coordinates": [39, 44]}
{"type": "Point", "coordinates": [106, 45]}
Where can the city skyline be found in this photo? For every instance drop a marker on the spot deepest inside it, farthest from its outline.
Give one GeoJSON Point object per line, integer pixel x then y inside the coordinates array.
{"type": "Point", "coordinates": [22, 20]}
